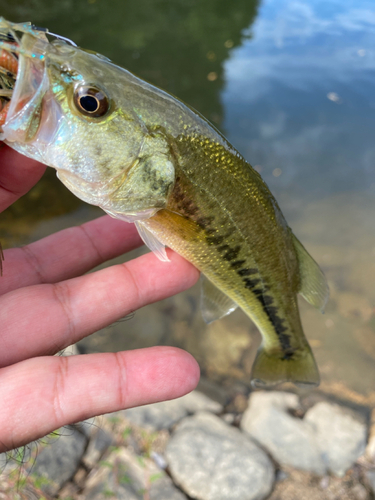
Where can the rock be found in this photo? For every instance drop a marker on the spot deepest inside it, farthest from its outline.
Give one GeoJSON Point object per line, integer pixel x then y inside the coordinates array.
{"type": "Point", "coordinates": [99, 442]}
{"type": "Point", "coordinates": [165, 414]}
{"type": "Point", "coordinates": [327, 439]}
{"type": "Point", "coordinates": [210, 460]}
{"type": "Point", "coordinates": [370, 476]}
{"type": "Point", "coordinates": [359, 492]}
{"type": "Point", "coordinates": [289, 440]}
{"type": "Point", "coordinates": [214, 390]}
{"type": "Point", "coordinates": [3, 461]}
{"type": "Point", "coordinates": [340, 437]}
{"type": "Point", "coordinates": [303, 486]}
{"type": "Point", "coordinates": [126, 476]}
{"type": "Point", "coordinates": [58, 461]}
{"type": "Point", "coordinates": [370, 450]}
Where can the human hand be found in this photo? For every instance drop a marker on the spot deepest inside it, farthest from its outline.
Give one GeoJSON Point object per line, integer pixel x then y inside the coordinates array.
{"type": "Point", "coordinates": [46, 304]}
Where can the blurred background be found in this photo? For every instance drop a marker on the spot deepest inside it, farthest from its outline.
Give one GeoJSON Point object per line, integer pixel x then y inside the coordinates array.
{"type": "Point", "coordinates": [291, 85]}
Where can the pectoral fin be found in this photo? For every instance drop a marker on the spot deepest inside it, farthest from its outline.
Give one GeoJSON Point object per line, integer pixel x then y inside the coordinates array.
{"type": "Point", "coordinates": [314, 286]}
{"type": "Point", "coordinates": [152, 242]}
{"type": "Point", "coordinates": [214, 303]}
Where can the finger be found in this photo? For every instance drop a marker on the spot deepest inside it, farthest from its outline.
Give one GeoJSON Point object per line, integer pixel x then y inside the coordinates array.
{"type": "Point", "coordinates": [18, 174]}
{"type": "Point", "coordinates": [43, 319]}
{"type": "Point", "coordinates": [68, 253]}
{"type": "Point", "coordinates": [60, 390]}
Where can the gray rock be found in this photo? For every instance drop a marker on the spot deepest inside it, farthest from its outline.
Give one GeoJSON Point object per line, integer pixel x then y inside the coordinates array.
{"type": "Point", "coordinates": [87, 427]}
{"type": "Point", "coordinates": [302, 485]}
{"type": "Point", "coordinates": [210, 460]}
{"type": "Point", "coordinates": [289, 440]}
{"type": "Point", "coordinates": [125, 476]}
{"type": "Point", "coordinates": [59, 460]}
{"type": "Point", "coordinates": [3, 461]}
{"type": "Point", "coordinates": [328, 439]}
{"type": "Point", "coordinates": [163, 415]}
{"type": "Point", "coordinates": [340, 437]}
{"type": "Point", "coordinates": [370, 476]}
{"type": "Point", "coordinates": [100, 440]}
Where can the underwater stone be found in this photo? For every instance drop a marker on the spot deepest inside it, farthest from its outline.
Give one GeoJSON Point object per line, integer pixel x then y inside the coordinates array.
{"type": "Point", "coordinates": [163, 415]}
{"type": "Point", "coordinates": [289, 440]}
{"type": "Point", "coordinates": [328, 439]}
{"type": "Point", "coordinates": [340, 437]}
{"type": "Point", "coordinates": [210, 460]}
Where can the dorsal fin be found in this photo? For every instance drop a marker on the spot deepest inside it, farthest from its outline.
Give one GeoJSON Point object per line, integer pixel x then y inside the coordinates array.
{"type": "Point", "coordinates": [314, 286]}
{"type": "Point", "coordinates": [214, 303]}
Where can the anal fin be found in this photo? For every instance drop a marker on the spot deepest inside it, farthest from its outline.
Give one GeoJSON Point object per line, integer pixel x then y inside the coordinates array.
{"type": "Point", "coordinates": [314, 286]}
{"type": "Point", "coordinates": [214, 303]}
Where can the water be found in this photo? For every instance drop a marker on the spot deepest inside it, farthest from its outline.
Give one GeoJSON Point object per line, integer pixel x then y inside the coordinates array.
{"type": "Point", "coordinates": [291, 84]}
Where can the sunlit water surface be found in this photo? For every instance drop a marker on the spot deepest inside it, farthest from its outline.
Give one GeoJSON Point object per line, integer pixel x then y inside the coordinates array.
{"type": "Point", "coordinates": [291, 84]}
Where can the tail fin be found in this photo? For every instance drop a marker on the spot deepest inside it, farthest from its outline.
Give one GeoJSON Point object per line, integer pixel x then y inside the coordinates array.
{"type": "Point", "coordinates": [272, 367]}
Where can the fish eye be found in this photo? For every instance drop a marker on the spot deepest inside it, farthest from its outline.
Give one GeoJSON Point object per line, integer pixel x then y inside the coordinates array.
{"type": "Point", "coordinates": [91, 101]}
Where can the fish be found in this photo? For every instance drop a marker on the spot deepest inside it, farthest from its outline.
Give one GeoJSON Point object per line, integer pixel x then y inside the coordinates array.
{"type": "Point", "coordinates": [144, 156]}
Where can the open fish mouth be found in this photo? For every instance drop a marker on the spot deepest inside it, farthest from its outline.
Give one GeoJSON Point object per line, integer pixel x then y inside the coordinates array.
{"type": "Point", "coordinates": [23, 78]}
{"type": "Point", "coordinates": [22, 74]}
{"type": "Point", "coordinates": [8, 72]}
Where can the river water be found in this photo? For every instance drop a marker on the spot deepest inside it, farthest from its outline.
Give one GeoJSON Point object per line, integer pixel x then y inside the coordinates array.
{"type": "Point", "coordinates": [291, 84]}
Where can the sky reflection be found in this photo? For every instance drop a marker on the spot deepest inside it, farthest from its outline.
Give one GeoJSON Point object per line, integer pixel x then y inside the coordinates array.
{"type": "Point", "coordinates": [299, 95]}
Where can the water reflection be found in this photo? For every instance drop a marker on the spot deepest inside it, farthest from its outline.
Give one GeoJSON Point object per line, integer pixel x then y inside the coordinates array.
{"type": "Point", "coordinates": [180, 46]}
{"type": "Point", "coordinates": [300, 96]}
{"type": "Point", "coordinates": [291, 84]}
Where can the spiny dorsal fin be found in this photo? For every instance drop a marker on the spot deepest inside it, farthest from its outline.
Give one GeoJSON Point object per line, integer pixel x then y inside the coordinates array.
{"type": "Point", "coordinates": [214, 303]}
{"type": "Point", "coordinates": [314, 286]}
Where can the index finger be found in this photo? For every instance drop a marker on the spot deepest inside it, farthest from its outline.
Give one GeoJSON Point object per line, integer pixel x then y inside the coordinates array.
{"type": "Point", "coordinates": [18, 174]}
{"type": "Point", "coordinates": [58, 391]}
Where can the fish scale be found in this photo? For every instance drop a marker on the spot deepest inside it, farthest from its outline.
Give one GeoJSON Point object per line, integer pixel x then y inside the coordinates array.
{"type": "Point", "coordinates": [224, 247]}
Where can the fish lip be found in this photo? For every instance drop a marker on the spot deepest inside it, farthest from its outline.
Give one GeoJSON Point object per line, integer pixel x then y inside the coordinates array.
{"type": "Point", "coordinates": [30, 87]}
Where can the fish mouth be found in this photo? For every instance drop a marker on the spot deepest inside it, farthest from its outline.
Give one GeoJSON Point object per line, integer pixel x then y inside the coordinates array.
{"type": "Point", "coordinates": [31, 83]}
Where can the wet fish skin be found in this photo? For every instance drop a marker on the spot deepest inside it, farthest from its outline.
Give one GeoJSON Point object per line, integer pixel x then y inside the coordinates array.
{"type": "Point", "coordinates": [155, 160]}
{"type": "Point", "coordinates": [250, 258]}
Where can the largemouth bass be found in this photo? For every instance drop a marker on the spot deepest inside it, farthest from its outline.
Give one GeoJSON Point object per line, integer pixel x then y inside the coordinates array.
{"type": "Point", "coordinates": [142, 155]}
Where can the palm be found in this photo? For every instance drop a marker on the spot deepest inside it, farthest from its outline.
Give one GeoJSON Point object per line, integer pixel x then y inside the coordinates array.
{"type": "Point", "coordinates": [46, 304]}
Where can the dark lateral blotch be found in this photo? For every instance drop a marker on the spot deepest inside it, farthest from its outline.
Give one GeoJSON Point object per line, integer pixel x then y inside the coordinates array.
{"type": "Point", "coordinates": [237, 264]}
{"type": "Point", "coordinates": [251, 283]}
{"type": "Point", "coordinates": [215, 240]}
{"type": "Point", "coordinates": [246, 271]}
{"type": "Point", "coordinates": [232, 254]}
